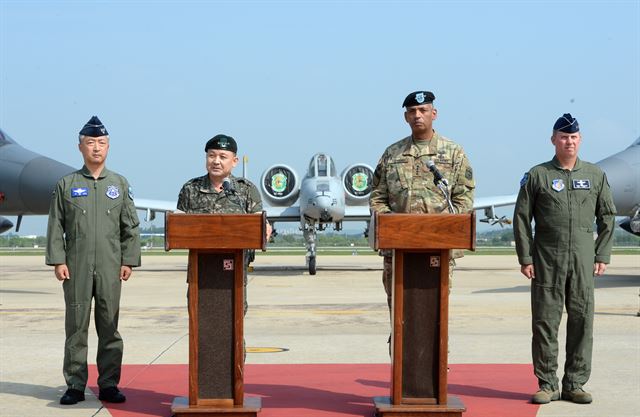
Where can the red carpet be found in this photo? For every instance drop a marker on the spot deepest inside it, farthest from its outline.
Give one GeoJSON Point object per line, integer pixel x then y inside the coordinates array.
{"type": "Point", "coordinates": [328, 390]}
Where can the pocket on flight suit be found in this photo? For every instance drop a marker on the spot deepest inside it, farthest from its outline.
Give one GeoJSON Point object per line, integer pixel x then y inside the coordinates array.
{"type": "Point", "coordinates": [112, 228]}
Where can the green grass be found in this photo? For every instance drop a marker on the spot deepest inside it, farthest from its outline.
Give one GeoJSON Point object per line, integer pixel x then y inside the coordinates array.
{"type": "Point", "coordinates": [282, 251]}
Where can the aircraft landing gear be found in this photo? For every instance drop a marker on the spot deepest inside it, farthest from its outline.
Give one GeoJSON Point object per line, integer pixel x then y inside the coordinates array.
{"type": "Point", "coordinates": [312, 265]}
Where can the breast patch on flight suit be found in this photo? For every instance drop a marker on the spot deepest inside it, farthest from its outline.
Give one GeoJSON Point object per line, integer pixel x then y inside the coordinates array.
{"type": "Point", "coordinates": [581, 184]}
{"type": "Point", "coordinates": [557, 185]}
{"type": "Point", "coordinates": [79, 192]}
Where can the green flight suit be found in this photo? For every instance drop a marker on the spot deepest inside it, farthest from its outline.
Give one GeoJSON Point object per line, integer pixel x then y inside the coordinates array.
{"type": "Point", "coordinates": [563, 203]}
{"type": "Point", "coordinates": [403, 183]}
{"type": "Point", "coordinates": [93, 229]}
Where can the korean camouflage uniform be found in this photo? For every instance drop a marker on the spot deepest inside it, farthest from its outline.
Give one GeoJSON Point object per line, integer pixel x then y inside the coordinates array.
{"type": "Point", "coordinates": [198, 196]}
{"type": "Point", "coordinates": [563, 203]}
{"type": "Point", "coordinates": [402, 183]}
{"type": "Point", "coordinates": [93, 229]}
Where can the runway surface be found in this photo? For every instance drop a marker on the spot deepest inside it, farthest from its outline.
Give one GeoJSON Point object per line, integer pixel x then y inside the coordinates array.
{"type": "Point", "coordinates": [337, 318]}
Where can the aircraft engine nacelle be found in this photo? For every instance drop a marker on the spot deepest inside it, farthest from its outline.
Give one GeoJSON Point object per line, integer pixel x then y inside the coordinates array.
{"type": "Point", "coordinates": [280, 185]}
{"type": "Point", "coordinates": [356, 181]}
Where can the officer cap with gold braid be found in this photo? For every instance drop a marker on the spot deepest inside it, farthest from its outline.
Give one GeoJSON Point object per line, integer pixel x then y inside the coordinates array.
{"type": "Point", "coordinates": [224, 142]}
{"type": "Point", "coordinates": [418, 98]}
{"type": "Point", "coordinates": [567, 124]}
{"type": "Point", "coordinates": [94, 128]}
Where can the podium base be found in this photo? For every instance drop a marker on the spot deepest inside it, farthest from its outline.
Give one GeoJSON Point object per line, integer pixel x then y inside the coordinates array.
{"type": "Point", "coordinates": [250, 408]}
{"type": "Point", "coordinates": [453, 408]}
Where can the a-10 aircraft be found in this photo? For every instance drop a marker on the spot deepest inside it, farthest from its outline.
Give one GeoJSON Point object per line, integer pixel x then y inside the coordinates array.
{"type": "Point", "coordinates": [323, 198]}
{"type": "Point", "coordinates": [320, 199]}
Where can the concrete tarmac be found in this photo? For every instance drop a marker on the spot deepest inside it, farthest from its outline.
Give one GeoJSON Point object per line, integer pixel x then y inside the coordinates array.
{"type": "Point", "coordinates": [338, 316]}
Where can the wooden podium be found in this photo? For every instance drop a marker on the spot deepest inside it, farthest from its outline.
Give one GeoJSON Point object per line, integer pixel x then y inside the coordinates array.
{"type": "Point", "coordinates": [421, 245]}
{"type": "Point", "coordinates": [216, 244]}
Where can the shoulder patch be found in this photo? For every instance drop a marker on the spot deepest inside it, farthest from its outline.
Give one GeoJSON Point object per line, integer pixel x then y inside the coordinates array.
{"type": "Point", "coordinates": [524, 179]}
{"type": "Point", "coordinates": [468, 174]}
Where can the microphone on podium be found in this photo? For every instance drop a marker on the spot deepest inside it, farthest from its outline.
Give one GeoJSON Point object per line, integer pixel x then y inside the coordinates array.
{"type": "Point", "coordinates": [227, 186]}
{"type": "Point", "coordinates": [437, 176]}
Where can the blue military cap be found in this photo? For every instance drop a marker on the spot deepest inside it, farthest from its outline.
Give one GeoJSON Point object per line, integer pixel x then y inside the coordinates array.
{"type": "Point", "coordinates": [567, 124]}
{"type": "Point", "coordinates": [94, 128]}
{"type": "Point", "coordinates": [418, 98]}
{"type": "Point", "coordinates": [224, 142]}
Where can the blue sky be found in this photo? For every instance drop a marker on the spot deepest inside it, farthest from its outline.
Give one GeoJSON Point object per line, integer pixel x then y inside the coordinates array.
{"type": "Point", "coordinates": [289, 79]}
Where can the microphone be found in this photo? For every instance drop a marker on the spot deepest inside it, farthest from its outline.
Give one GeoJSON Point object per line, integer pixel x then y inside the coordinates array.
{"type": "Point", "coordinates": [437, 176]}
{"type": "Point", "coordinates": [227, 186]}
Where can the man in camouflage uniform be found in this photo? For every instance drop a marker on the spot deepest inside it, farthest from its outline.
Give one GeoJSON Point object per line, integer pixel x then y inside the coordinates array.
{"type": "Point", "coordinates": [93, 241]}
{"type": "Point", "coordinates": [402, 181]}
{"type": "Point", "coordinates": [563, 197]}
{"type": "Point", "coordinates": [219, 191]}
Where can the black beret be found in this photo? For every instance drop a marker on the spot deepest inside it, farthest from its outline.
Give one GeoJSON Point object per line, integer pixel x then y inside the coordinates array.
{"type": "Point", "coordinates": [224, 142]}
{"type": "Point", "coordinates": [418, 98]}
{"type": "Point", "coordinates": [567, 124]}
{"type": "Point", "coordinates": [94, 128]}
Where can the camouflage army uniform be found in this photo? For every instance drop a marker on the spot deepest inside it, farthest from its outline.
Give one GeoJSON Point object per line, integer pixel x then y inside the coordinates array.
{"type": "Point", "coordinates": [93, 229]}
{"type": "Point", "coordinates": [563, 204]}
{"type": "Point", "coordinates": [198, 196]}
{"type": "Point", "coordinates": [402, 183]}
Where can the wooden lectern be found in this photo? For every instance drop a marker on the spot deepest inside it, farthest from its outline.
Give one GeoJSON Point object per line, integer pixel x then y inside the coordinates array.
{"type": "Point", "coordinates": [216, 244]}
{"type": "Point", "coordinates": [421, 245]}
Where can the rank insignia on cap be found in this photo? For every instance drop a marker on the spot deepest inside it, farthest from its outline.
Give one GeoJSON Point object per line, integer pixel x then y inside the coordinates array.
{"type": "Point", "coordinates": [418, 98]}
{"type": "Point", "coordinates": [581, 184]}
{"type": "Point", "coordinates": [524, 179]}
{"type": "Point", "coordinates": [112, 192]}
{"type": "Point", "coordinates": [557, 185]}
{"type": "Point", "coordinates": [79, 192]}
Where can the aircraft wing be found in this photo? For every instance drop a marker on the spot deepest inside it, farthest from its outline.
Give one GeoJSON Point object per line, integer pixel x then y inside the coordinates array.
{"type": "Point", "coordinates": [490, 203]}
{"type": "Point", "coordinates": [495, 201]}
{"type": "Point", "coordinates": [357, 213]}
{"type": "Point", "coordinates": [154, 206]}
{"type": "Point", "coordinates": [283, 214]}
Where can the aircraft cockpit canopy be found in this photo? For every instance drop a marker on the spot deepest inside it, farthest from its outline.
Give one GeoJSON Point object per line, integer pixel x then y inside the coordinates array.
{"type": "Point", "coordinates": [322, 166]}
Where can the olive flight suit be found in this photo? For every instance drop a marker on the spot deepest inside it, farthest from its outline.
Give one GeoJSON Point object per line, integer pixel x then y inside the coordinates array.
{"type": "Point", "coordinates": [93, 229]}
{"type": "Point", "coordinates": [563, 203]}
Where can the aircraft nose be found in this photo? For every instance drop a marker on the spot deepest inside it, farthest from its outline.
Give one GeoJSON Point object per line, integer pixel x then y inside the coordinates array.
{"type": "Point", "coordinates": [36, 186]}
{"type": "Point", "coordinates": [322, 203]}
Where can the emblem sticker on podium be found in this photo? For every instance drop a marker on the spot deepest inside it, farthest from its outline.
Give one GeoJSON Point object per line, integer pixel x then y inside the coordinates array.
{"type": "Point", "coordinates": [434, 261]}
{"type": "Point", "coordinates": [227, 264]}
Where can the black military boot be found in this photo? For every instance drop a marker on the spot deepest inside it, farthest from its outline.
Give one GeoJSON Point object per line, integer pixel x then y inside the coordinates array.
{"type": "Point", "coordinates": [72, 396]}
{"type": "Point", "coordinates": [111, 395]}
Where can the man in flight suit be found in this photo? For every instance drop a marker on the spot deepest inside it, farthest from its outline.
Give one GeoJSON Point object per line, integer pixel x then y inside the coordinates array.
{"type": "Point", "coordinates": [563, 197]}
{"type": "Point", "coordinates": [402, 181]}
{"type": "Point", "coordinates": [93, 241]}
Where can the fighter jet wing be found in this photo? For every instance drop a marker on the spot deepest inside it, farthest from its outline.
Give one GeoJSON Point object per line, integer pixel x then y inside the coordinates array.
{"type": "Point", "coordinates": [357, 213]}
{"type": "Point", "coordinates": [495, 201]}
{"type": "Point", "coordinates": [154, 206]}
{"type": "Point", "coordinates": [490, 203]}
{"type": "Point", "coordinates": [283, 214]}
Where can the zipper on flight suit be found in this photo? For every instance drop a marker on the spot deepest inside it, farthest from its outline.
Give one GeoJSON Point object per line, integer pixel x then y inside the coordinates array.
{"type": "Point", "coordinates": [95, 226]}
{"type": "Point", "coordinates": [568, 173]}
